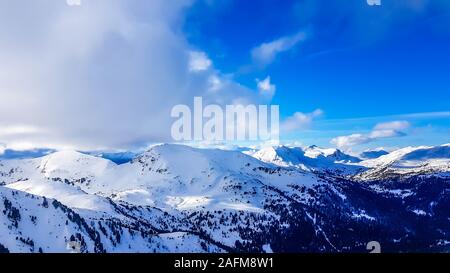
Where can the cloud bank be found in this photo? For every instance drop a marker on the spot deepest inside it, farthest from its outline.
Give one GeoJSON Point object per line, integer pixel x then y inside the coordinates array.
{"type": "Point", "coordinates": [101, 75]}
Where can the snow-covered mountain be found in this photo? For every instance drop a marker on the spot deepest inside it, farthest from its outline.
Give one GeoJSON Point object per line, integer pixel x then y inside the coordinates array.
{"type": "Point", "coordinates": [311, 158]}
{"type": "Point", "coordinates": [175, 198]}
{"type": "Point", "coordinates": [179, 180]}
{"type": "Point", "coordinates": [332, 154]}
{"type": "Point", "coordinates": [410, 161]}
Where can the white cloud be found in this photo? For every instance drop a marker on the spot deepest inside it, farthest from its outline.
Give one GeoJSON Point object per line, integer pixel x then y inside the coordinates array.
{"type": "Point", "coordinates": [300, 121]}
{"type": "Point", "coordinates": [215, 83]}
{"type": "Point", "coordinates": [385, 133]}
{"type": "Point", "coordinates": [351, 140]}
{"type": "Point", "coordinates": [102, 75]}
{"type": "Point", "coordinates": [266, 53]}
{"type": "Point", "coordinates": [394, 125]}
{"type": "Point", "coordinates": [199, 61]}
{"type": "Point", "coordinates": [381, 130]}
{"type": "Point", "coordinates": [266, 88]}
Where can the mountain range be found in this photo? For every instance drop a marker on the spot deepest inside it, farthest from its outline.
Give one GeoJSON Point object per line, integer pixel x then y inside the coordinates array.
{"type": "Point", "coordinates": [175, 198]}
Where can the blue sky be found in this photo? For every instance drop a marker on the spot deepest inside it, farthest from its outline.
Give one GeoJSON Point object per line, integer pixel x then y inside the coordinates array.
{"type": "Point", "coordinates": [357, 61]}
{"type": "Point", "coordinates": [104, 75]}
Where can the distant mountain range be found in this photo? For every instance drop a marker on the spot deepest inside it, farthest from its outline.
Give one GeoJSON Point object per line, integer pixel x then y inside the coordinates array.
{"type": "Point", "coordinates": [175, 198]}
{"type": "Point", "coordinates": [373, 154]}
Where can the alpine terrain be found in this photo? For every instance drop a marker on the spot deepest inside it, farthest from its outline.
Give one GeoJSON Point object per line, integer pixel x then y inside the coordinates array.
{"type": "Point", "coordinates": [175, 198]}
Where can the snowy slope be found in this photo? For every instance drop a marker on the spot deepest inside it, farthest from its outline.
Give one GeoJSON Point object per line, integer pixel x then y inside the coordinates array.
{"type": "Point", "coordinates": [410, 161]}
{"type": "Point", "coordinates": [29, 223]}
{"type": "Point", "coordinates": [69, 165]}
